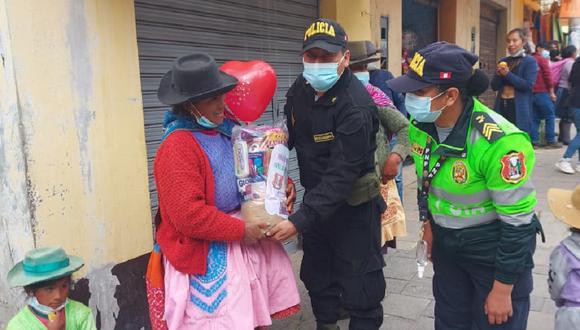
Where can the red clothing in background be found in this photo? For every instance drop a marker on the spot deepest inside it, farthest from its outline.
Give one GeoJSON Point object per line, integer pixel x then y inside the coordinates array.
{"type": "Point", "coordinates": [544, 78]}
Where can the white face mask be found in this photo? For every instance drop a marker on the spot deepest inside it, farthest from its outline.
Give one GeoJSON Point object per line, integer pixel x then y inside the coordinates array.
{"type": "Point", "coordinates": [33, 302]}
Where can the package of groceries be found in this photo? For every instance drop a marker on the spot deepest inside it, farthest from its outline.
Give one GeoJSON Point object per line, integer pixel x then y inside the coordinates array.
{"type": "Point", "coordinates": [261, 158]}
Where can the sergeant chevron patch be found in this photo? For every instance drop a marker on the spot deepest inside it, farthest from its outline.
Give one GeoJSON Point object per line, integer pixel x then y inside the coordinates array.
{"type": "Point", "coordinates": [487, 127]}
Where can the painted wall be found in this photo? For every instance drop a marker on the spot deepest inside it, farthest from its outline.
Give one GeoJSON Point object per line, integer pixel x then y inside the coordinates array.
{"type": "Point", "coordinates": [515, 14]}
{"type": "Point", "coordinates": [448, 20]}
{"type": "Point", "coordinates": [456, 20]}
{"type": "Point", "coordinates": [72, 146]}
{"type": "Point", "coordinates": [355, 17]}
{"type": "Point", "coordinates": [361, 20]}
{"type": "Point", "coordinates": [393, 9]}
{"type": "Point", "coordinates": [467, 18]}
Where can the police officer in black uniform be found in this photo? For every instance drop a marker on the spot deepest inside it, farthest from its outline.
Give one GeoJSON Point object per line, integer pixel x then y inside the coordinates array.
{"type": "Point", "coordinates": [333, 125]}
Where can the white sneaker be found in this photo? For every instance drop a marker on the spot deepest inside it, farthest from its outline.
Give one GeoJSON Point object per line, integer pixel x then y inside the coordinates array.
{"type": "Point", "coordinates": [565, 166]}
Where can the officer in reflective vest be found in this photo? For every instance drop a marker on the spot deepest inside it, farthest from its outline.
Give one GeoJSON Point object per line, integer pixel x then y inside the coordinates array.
{"type": "Point", "coordinates": [476, 199]}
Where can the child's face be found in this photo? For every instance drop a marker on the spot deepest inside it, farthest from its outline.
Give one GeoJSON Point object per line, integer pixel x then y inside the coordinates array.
{"type": "Point", "coordinates": [53, 295]}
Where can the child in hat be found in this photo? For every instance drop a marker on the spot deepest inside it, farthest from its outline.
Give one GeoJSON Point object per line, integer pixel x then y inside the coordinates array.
{"type": "Point", "coordinates": [564, 276]}
{"type": "Point", "coordinates": [45, 274]}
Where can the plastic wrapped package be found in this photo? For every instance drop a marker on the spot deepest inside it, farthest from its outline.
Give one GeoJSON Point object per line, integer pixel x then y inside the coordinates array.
{"type": "Point", "coordinates": [261, 160]}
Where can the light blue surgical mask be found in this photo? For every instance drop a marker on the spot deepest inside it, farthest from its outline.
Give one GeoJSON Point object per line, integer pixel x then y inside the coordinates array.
{"type": "Point", "coordinates": [363, 76]}
{"type": "Point", "coordinates": [33, 302]}
{"type": "Point", "coordinates": [203, 121]}
{"type": "Point", "coordinates": [545, 53]}
{"type": "Point", "coordinates": [420, 107]}
{"type": "Point", "coordinates": [321, 76]}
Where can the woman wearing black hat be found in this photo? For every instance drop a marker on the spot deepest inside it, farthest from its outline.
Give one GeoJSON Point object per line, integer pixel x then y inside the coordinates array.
{"type": "Point", "coordinates": [210, 271]}
{"type": "Point", "coordinates": [475, 198]}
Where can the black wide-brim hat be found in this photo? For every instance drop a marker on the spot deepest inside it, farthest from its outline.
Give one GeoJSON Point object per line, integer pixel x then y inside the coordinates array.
{"type": "Point", "coordinates": [192, 78]}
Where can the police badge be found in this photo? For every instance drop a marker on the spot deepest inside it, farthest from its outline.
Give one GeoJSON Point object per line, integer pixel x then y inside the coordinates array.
{"type": "Point", "coordinates": [459, 172]}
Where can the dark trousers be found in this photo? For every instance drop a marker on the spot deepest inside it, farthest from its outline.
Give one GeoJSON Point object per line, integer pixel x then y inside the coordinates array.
{"type": "Point", "coordinates": [342, 266]}
{"type": "Point", "coordinates": [507, 108]}
{"type": "Point", "coordinates": [460, 291]}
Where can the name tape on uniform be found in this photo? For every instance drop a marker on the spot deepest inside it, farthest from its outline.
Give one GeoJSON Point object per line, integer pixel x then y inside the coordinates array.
{"type": "Point", "coordinates": [324, 137]}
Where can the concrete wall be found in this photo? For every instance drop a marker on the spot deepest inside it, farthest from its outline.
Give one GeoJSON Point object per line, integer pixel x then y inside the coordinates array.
{"type": "Point", "coordinates": [457, 18]}
{"type": "Point", "coordinates": [362, 21]}
{"type": "Point", "coordinates": [393, 10]}
{"type": "Point", "coordinates": [353, 15]}
{"type": "Point", "coordinates": [73, 168]}
{"type": "Point", "coordinates": [515, 14]}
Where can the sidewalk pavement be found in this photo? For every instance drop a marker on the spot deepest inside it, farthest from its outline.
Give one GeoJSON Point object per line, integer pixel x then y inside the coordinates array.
{"type": "Point", "coordinates": [409, 304]}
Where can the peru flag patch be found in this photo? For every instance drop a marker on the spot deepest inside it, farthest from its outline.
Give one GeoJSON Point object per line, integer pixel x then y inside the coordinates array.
{"type": "Point", "coordinates": [444, 75]}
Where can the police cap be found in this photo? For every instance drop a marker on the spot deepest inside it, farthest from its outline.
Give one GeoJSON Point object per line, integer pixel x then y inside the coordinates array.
{"type": "Point", "coordinates": [325, 34]}
{"type": "Point", "coordinates": [439, 63]}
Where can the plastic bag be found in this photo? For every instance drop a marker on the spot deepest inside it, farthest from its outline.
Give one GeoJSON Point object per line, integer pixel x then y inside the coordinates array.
{"type": "Point", "coordinates": [261, 162]}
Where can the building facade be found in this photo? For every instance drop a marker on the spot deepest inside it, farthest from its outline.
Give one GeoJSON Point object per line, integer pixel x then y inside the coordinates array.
{"type": "Point", "coordinates": [80, 122]}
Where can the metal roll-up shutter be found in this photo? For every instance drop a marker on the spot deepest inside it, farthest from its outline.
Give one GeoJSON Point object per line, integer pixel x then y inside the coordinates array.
{"type": "Point", "coordinates": [488, 48]}
{"type": "Point", "coordinates": [270, 30]}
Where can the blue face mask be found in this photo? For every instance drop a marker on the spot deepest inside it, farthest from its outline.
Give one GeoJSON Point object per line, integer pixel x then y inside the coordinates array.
{"type": "Point", "coordinates": [203, 121]}
{"type": "Point", "coordinates": [545, 53]}
{"type": "Point", "coordinates": [322, 76]}
{"type": "Point", "coordinates": [364, 77]}
{"type": "Point", "coordinates": [420, 107]}
{"type": "Point", "coordinates": [33, 302]}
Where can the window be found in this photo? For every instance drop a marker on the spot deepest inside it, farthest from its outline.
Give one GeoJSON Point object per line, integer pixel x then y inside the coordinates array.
{"type": "Point", "coordinates": [384, 42]}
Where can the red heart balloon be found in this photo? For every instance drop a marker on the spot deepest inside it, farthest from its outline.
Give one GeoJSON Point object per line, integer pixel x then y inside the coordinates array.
{"type": "Point", "coordinates": [256, 87]}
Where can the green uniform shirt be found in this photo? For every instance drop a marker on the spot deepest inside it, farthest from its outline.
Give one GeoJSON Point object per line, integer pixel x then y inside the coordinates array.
{"type": "Point", "coordinates": [481, 199]}
{"type": "Point", "coordinates": [78, 317]}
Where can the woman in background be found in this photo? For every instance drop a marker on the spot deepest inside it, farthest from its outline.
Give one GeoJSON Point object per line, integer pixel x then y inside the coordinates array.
{"type": "Point", "coordinates": [514, 80]}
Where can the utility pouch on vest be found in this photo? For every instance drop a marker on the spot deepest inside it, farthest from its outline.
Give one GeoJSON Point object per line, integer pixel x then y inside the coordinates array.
{"type": "Point", "coordinates": [368, 186]}
{"type": "Point", "coordinates": [365, 189]}
{"type": "Point", "coordinates": [539, 228]}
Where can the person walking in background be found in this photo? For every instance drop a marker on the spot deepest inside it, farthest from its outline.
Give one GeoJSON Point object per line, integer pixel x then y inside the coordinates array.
{"type": "Point", "coordinates": [560, 74]}
{"type": "Point", "coordinates": [565, 164]}
{"type": "Point", "coordinates": [564, 273]}
{"type": "Point", "coordinates": [514, 81]}
{"type": "Point", "coordinates": [544, 98]}
{"type": "Point", "coordinates": [554, 49]}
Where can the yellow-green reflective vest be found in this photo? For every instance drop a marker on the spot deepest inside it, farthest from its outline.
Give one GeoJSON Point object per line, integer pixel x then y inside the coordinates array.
{"type": "Point", "coordinates": [481, 199]}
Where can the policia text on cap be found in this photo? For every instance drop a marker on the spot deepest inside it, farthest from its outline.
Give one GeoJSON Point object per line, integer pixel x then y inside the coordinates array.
{"type": "Point", "coordinates": [333, 124]}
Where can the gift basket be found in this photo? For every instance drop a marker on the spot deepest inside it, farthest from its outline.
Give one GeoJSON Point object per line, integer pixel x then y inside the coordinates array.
{"type": "Point", "coordinates": [261, 160]}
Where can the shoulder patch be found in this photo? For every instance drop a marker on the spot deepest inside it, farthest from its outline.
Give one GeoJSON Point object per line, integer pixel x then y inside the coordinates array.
{"type": "Point", "coordinates": [513, 167]}
{"type": "Point", "coordinates": [487, 126]}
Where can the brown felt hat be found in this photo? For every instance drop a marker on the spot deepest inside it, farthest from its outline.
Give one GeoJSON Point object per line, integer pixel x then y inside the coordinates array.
{"type": "Point", "coordinates": [362, 52]}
